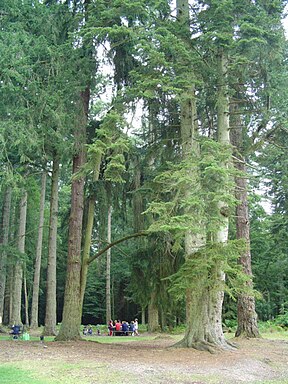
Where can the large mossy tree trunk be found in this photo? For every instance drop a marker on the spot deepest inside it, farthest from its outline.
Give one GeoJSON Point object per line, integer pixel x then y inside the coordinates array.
{"type": "Point", "coordinates": [72, 310]}
{"type": "Point", "coordinates": [18, 268]}
{"type": "Point", "coordinates": [4, 236]}
{"type": "Point", "coordinates": [247, 316]}
{"type": "Point", "coordinates": [37, 264]}
{"type": "Point", "coordinates": [202, 332]}
{"type": "Point", "coordinates": [198, 326]}
{"type": "Point", "coordinates": [51, 304]}
{"type": "Point", "coordinates": [204, 299]}
{"type": "Point", "coordinates": [223, 136]}
{"type": "Point", "coordinates": [153, 313]}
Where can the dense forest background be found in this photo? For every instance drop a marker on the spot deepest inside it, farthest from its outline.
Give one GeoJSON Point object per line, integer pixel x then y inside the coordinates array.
{"type": "Point", "coordinates": [163, 123]}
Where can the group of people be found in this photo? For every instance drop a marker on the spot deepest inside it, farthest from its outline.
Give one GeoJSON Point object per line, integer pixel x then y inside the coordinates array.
{"type": "Point", "coordinates": [123, 328]}
{"type": "Point", "coordinates": [87, 331]}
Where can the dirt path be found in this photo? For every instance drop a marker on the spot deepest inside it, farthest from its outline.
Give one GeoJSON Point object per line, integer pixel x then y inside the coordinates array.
{"type": "Point", "coordinates": [255, 361]}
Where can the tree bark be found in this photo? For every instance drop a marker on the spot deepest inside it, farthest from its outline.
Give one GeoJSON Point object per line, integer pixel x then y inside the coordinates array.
{"type": "Point", "coordinates": [108, 268]}
{"type": "Point", "coordinates": [153, 313]}
{"type": "Point", "coordinates": [247, 316]}
{"type": "Point", "coordinates": [221, 236]}
{"type": "Point", "coordinates": [37, 265]}
{"type": "Point", "coordinates": [72, 310]}
{"type": "Point", "coordinates": [51, 304]}
{"type": "Point", "coordinates": [200, 326]}
{"type": "Point", "coordinates": [26, 302]}
{"type": "Point", "coordinates": [143, 315]}
{"type": "Point", "coordinates": [10, 271]}
{"type": "Point", "coordinates": [4, 241]}
{"type": "Point", "coordinates": [89, 227]}
{"type": "Point", "coordinates": [18, 269]}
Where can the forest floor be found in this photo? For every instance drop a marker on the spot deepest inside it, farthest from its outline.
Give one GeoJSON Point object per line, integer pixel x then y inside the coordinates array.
{"type": "Point", "coordinates": [146, 360]}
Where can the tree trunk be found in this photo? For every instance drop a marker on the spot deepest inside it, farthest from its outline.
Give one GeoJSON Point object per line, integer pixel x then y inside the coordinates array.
{"type": "Point", "coordinates": [247, 317]}
{"type": "Point", "coordinates": [18, 269]}
{"type": "Point", "coordinates": [10, 271]}
{"type": "Point", "coordinates": [200, 311]}
{"type": "Point", "coordinates": [37, 265]}
{"type": "Point", "coordinates": [4, 241]}
{"type": "Point", "coordinates": [108, 268]}
{"type": "Point", "coordinates": [223, 138]}
{"type": "Point", "coordinates": [143, 315]}
{"type": "Point", "coordinates": [51, 304]}
{"type": "Point", "coordinates": [72, 311]}
{"type": "Point", "coordinates": [89, 227]}
{"type": "Point", "coordinates": [153, 314]}
{"type": "Point", "coordinates": [8, 296]}
{"type": "Point", "coordinates": [26, 302]}
{"type": "Point", "coordinates": [204, 304]}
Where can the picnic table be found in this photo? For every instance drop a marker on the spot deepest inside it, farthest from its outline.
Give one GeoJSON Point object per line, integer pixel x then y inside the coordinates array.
{"type": "Point", "coordinates": [121, 333]}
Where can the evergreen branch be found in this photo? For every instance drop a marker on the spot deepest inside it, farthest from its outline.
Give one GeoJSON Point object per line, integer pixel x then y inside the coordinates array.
{"type": "Point", "coordinates": [98, 254]}
{"type": "Point", "coordinates": [119, 249]}
{"type": "Point", "coordinates": [244, 162]}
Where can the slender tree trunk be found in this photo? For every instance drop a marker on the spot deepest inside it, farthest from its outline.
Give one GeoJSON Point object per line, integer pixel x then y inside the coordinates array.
{"type": "Point", "coordinates": [51, 304]}
{"type": "Point", "coordinates": [4, 241]}
{"type": "Point", "coordinates": [138, 220]}
{"type": "Point", "coordinates": [72, 311]}
{"type": "Point", "coordinates": [108, 268]}
{"type": "Point", "coordinates": [18, 269]}
{"type": "Point", "coordinates": [10, 270]}
{"type": "Point", "coordinates": [37, 265]}
{"type": "Point", "coordinates": [143, 309]}
{"type": "Point", "coordinates": [89, 227]}
{"type": "Point", "coordinates": [247, 317]}
{"type": "Point", "coordinates": [8, 296]}
{"type": "Point", "coordinates": [26, 298]}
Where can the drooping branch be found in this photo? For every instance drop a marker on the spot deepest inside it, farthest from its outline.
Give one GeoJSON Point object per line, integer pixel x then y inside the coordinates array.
{"type": "Point", "coordinates": [133, 235]}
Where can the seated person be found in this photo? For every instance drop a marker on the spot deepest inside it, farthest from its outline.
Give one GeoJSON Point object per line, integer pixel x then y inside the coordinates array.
{"type": "Point", "coordinates": [118, 327]}
{"type": "Point", "coordinates": [90, 332]}
{"type": "Point", "coordinates": [85, 330]}
{"type": "Point", "coordinates": [16, 331]}
{"type": "Point", "coordinates": [125, 328]}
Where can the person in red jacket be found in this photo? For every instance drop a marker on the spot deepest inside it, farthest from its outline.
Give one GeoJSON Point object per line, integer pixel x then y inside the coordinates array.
{"type": "Point", "coordinates": [118, 327]}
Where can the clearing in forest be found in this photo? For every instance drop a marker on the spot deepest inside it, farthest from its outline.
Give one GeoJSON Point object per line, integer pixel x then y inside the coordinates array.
{"type": "Point", "coordinates": [140, 360]}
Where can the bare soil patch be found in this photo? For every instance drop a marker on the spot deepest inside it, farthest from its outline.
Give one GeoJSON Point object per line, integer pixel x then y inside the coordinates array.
{"type": "Point", "coordinates": [255, 361]}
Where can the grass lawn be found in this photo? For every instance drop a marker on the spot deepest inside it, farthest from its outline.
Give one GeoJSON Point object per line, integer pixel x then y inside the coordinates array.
{"type": "Point", "coordinates": [65, 363]}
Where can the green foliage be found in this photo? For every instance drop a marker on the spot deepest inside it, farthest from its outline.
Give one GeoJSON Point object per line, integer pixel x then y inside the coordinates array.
{"type": "Point", "coordinates": [201, 269]}
{"type": "Point", "coordinates": [209, 177]}
{"type": "Point", "coordinates": [282, 320]}
{"type": "Point", "coordinates": [109, 147]}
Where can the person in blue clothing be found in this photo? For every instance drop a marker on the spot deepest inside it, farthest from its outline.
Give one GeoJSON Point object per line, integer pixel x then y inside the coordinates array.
{"type": "Point", "coordinates": [125, 328]}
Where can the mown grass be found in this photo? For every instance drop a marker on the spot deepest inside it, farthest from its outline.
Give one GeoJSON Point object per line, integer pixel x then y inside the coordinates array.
{"type": "Point", "coordinates": [59, 373]}
{"type": "Point", "coordinates": [11, 374]}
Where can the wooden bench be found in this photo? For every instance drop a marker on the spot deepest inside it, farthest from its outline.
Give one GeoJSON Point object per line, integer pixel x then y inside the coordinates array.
{"type": "Point", "coordinates": [120, 333]}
